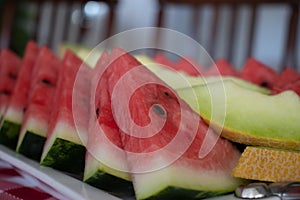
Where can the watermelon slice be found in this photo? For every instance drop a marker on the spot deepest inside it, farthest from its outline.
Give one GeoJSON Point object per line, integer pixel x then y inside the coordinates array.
{"type": "Point", "coordinates": [101, 170]}
{"type": "Point", "coordinates": [66, 140]}
{"type": "Point", "coordinates": [189, 66]}
{"type": "Point", "coordinates": [289, 79]}
{"type": "Point", "coordinates": [160, 135]}
{"type": "Point", "coordinates": [186, 65]}
{"type": "Point", "coordinates": [10, 66]}
{"type": "Point", "coordinates": [259, 73]}
{"type": "Point", "coordinates": [288, 75]}
{"type": "Point", "coordinates": [221, 68]}
{"type": "Point", "coordinates": [294, 86]}
{"type": "Point", "coordinates": [40, 104]}
{"type": "Point", "coordinates": [13, 117]}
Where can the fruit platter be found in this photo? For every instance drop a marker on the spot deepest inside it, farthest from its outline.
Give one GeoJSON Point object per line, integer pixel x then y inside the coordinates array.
{"type": "Point", "coordinates": [127, 129]}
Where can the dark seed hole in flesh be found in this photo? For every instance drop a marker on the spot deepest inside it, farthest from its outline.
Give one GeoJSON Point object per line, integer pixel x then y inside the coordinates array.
{"type": "Point", "coordinates": [167, 94]}
{"type": "Point", "coordinates": [265, 84]}
{"type": "Point", "coordinates": [97, 112]}
{"type": "Point", "coordinates": [24, 110]}
{"type": "Point", "coordinates": [46, 82]}
{"type": "Point", "coordinates": [13, 76]}
{"type": "Point", "coordinates": [159, 110]}
{"type": "Point", "coordinates": [6, 92]}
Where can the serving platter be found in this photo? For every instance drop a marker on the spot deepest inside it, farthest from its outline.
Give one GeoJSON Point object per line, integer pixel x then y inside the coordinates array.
{"type": "Point", "coordinates": [65, 186]}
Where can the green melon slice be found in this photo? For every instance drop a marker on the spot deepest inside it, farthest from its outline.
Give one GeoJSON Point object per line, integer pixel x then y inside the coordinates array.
{"type": "Point", "coordinates": [67, 135]}
{"type": "Point", "coordinates": [180, 80]}
{"type": "Point", "coordinates": [177, 170]}
{"type": "Point", "coordinates": [247, 116]}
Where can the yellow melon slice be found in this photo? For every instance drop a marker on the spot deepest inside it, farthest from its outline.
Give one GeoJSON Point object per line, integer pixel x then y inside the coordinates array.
{"type": "Point", "coordinates": [267, 164]}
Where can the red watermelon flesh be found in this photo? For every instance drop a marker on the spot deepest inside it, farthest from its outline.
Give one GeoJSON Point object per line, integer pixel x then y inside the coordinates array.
{"type": "Point", "coordinates": [288, 75]}
{"type": "Point", "coordinates": [19, 98]}
{"type": "Point", "coordinates": [149, 132]}
{"type": "Point", "coordinates": [71, 66]}
{"type": "Point", "coordinates": [40, 102]}
{"type": "Point", "coordinates": [287, 81]}
{"type": "Point", "coordinates": [10, 65]}
{"type": "Point", "coordinates": [189, 66]}
{"type": "Point", "coordinates": [162, 59]}
{"type": "Point", "coordinates": [294, 86]}
{"type": "Point", "coordinates": [221, 68]}
{"type": "Point", "coordinates": [259, 73]}
{"type": "Point", "coordinates": [186, 65]}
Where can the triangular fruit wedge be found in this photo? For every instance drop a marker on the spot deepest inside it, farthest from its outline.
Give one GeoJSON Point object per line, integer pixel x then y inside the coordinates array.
{"type": "Point", "coordinates": [40, 104]}
{"type": "Point", "coordinates": [221, 68]}
{"type": "Point", "coordinates": [67, 134]}
{"type": "Point", "coordinates": [162, 138]}
{"type": "Point", "coordinates": [106, 166]}
{"type": "Point", "coordinates": [247, 116]}
{"type": "Point", "coordinates": [13, 117]}
{"type": "Point", "coordinates": [289, 80]}
{"type": "Point", "coordinates": [10, 65]}
{"type": "Point", "coordinates": [268, 164]}
{"type": "Point", "coordinates": [259, 73]}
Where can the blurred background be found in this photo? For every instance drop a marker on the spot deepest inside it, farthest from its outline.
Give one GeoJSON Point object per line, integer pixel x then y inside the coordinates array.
{"type": "Point", "coordinates": [268, 30]}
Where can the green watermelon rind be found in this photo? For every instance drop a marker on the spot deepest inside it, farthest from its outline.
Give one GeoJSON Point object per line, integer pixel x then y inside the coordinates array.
{"type": "Point", "coordinates": [106, 178]}
{"type": "Point", "coordinates": [171, 193]}
{"type": "Point", "coordinates": [110, 183]}
{"type": "Point", "coordinates": [32, 145]}
{"type": "Point", "coordinates": [9, 134]}
{"type": "Point", "coordinates": [66, 156]}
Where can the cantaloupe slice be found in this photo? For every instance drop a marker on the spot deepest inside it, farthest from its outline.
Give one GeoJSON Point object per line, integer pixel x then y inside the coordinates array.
{"type": "Point", "coordinates": [267, 164]}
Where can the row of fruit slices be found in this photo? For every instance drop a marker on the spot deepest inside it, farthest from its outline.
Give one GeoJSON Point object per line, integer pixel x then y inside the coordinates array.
{"type": "Point", "coordinates": [47, 114]}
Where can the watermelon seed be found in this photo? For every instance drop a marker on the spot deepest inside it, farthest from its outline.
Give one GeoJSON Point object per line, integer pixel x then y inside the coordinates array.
{"type": "Point", "coordinates": [265, 84]}
{"type": "Point", "coordinates": [6, 92]}
{"type": "Point", "coordinates": [46, 82]}
{"type": "Point", "coordinates": [97, 112]}
{"type": "Point", "coordinates": [159, 110]}
{"type": "Point", "coordinates": [167, 94]}
{"type": "Point", "coordinates": [13, 76]}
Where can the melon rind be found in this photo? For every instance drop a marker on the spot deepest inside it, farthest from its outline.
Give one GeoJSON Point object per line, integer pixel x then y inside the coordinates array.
{"type": "Point", "coordinates": [103, 177]}
{"type": "Point", "coordinates": [32, 145]}
{"type": "Point", "coordinates": [31, 138]}
{"type": "Point", "coordinates": [64, 151]}
{"type": "Point", "coordinates": [177, 182]}
{"type": "Point", "coordinates": [10, 127]}
{"type": "Point", "coordinates": [268, 164]}
{"type": "Point", "coordinates": [9, 134]}
{"type": "Point", "coordinates": [250, 118]}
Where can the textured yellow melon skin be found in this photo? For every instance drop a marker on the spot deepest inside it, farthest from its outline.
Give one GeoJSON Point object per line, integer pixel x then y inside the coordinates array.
{"type": "Point", "coordinates": [253, 140]}
{"type": "Point", "coordinates": [267, 164]}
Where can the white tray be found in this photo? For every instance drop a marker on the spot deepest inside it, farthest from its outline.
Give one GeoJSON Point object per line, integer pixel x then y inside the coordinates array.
{"type": "Point", "coordinates": [69, 187]}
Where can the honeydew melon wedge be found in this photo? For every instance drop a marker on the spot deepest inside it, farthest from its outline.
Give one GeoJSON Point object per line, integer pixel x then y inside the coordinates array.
{"type": "Point", "coordinates": [268, 164]}
{"type": "Point", "coordinates": [178, 80]}
{"type": "Point", "coordinates": [246, 116]}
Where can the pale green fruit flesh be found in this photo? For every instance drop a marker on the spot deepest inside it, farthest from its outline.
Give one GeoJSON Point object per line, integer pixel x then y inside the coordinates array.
{"type": "Point", "coordinates": [248, 116]}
